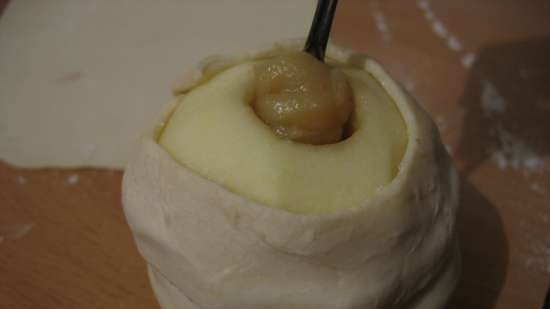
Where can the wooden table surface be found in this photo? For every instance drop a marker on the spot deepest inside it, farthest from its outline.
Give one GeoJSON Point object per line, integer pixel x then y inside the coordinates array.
{"type": "Point", "coordinates": [481, 68]}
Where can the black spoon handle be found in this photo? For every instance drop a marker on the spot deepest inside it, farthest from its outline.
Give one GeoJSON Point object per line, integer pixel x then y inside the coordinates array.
{"type": "Point", "coordinates": [317, 39]}
{"type": "Point", "coordinates": [546, 304]}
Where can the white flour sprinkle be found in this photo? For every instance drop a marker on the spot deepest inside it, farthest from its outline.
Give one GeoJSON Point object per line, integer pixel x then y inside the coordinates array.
{"type": "Point", "coordinates": [468, 60]}
{"type": "Point", "coordinates": [539, 255]}
{"type": "Point", "coordinates": [513, 151]}
{"type": "Point", "coordinates": [73, 179]}
{"type": "Point", "coordinates": [516, 153]}
{"type": "Point", "coordinates": [491, 100]}
{"type": "Point", "coordinates": [380, 21]}
{"type": "Point", "coordinates": [424, 5]}
{"type": "Point", "coordinates": [429, 15]}
{"type": "Point", "coordinates": [21, 180]}
{"type": "Point", "coordinates": [454, 43]}
{"type": "Point", "coordinates": [538, 264]}
{"type": "Point", "coordinates": [439, 29]}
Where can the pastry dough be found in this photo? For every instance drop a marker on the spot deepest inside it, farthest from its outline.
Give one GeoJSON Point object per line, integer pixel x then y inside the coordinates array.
{"type": "Point", "coordinates": [209, 248]}
{"type": "Point", "coordinates": [81, 80]}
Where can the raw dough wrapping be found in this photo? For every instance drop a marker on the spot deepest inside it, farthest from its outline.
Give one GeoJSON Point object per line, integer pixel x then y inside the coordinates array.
{"type": "Point", "coordinates": [81, 80]}
{"type": "Point", "coordinates": [207, 247]}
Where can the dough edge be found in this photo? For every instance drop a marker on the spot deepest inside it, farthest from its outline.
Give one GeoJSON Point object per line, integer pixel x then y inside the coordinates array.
{"type": "Point", "coordinates": [417, 210]}
{"type": "Point", "coordinates": [437, 296]}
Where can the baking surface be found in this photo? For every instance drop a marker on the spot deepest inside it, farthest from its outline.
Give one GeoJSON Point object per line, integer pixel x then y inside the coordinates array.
{"type": "Point", "coordinates": [480, 68]}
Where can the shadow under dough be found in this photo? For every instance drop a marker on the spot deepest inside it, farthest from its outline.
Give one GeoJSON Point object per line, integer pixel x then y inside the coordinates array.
{"type": "Point", "coordinates": [485, 251]}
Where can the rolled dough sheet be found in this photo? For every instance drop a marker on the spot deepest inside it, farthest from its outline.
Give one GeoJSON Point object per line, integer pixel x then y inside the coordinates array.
{"type": "Point", "coordinates": [80, 81]}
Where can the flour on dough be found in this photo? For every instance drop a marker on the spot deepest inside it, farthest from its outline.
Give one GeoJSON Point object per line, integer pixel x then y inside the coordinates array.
{"type": "Point", "coordinates": [81, 80]}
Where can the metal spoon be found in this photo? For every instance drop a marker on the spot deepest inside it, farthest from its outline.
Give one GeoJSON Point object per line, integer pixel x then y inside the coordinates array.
{"type": "Point", "coordinates": [317, 39]}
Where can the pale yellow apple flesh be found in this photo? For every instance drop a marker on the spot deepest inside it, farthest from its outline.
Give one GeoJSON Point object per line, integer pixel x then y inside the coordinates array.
{"type": "Point", "coordinates": [215, 132]}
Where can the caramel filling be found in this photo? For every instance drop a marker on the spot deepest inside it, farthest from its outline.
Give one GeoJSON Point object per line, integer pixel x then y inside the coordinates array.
{"type": "Point", "coordinates": [303, 99]}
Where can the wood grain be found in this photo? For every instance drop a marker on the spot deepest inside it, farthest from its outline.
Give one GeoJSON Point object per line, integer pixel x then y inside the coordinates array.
{"type": "Point", "coordinates": [79, 252]}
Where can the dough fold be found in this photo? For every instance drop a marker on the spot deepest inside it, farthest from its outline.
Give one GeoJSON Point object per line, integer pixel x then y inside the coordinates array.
{"type": "Point", "coordinates": [209, 248]}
